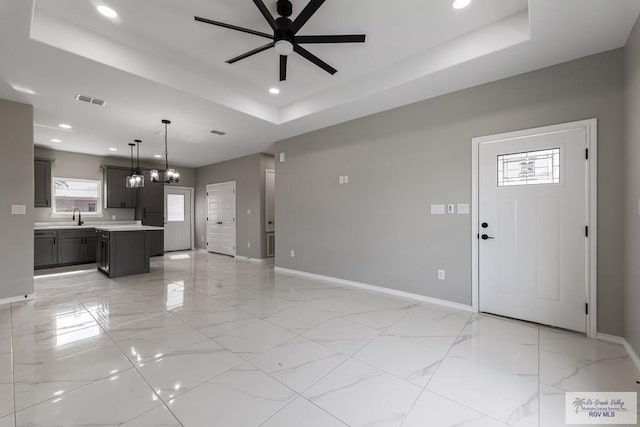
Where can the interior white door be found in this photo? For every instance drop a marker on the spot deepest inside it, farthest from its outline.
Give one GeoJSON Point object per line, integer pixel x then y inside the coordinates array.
{"type": "Point", "coordinates": [221, 218]}
{"type": "Point", "coordinates": [177, 227]}
{"type": "Point", "coordinates": [532, 228]}
{"type": "Point", "coordinates": [270, 209]}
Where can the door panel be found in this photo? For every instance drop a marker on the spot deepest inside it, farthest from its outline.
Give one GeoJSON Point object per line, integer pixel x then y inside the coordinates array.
{"type": "Point", "coordinates": [178, 216]}
{"type": "Point", "coordinates": [532, 252]}
{"type": "Point", "coordinates": [270, 209]}
{"type": "Point", "coordinates": [221, 218]}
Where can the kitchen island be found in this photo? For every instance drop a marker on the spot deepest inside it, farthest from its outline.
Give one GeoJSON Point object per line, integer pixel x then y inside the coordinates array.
{"type": "Point", "coordinates": [124, 250]}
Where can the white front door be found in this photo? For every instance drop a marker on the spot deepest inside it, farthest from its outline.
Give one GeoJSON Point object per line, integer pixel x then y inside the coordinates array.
{"type": "Point", "coordinates": [177, 227]}
{"type": "Point", "coordinates": [532, 218]}
{"type": "Point", "coordinates": [270, 209]}
{"type": "Point", "coordinates": [221, 218]}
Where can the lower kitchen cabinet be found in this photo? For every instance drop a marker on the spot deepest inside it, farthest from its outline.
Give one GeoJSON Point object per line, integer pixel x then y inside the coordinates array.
{"type": "Point", "coordinates": [64, 247]}
{"type": "Point", "coordinates": [45, 249]}
{"type": "Point", "coordinates": [76, 246]}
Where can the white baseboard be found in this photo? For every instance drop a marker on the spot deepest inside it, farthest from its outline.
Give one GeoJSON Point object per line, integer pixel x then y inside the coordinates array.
{"type": "Point", "coordinates": [253, 260]}
{"type": "Point", "coordinates": [622, 341]}
{"type": "Point", "coordinates": [16, 299]}
{"type": "Point", "coordinates": [374, 288]}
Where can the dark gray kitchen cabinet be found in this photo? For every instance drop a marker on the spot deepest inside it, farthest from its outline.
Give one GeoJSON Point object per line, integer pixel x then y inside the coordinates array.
{"type": "Point", "coordinates": [42, 183]}
{"type": "Point", "coordinates": [118, 195]}
{"type": "Point", "coordinates": [151, 212]}
{"type": "Point", "coordinates": [123, 253]}
{"type": "Point", "coordinates": [156, 242]}
{"type": "Point", "coordinates": [45, 249]}
{"type": "Point", "coordinates": [76, 246]}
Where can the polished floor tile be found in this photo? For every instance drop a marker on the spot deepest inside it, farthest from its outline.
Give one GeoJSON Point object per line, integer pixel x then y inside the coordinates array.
{"type": "Point", "coordinates": [361, 395]}
{"type": "Point", "coordinates": [207, 340]}
{"type": "Point", "coordinates": [111, 401]}
{"type": "Point", "coordinates": [302, 412]}
{"type": "Point", "coordinates": [243, 396]}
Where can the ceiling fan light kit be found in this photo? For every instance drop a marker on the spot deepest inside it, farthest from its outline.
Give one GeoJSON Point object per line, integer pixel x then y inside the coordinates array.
{"type": "Point", "coordinates": [284, 39]}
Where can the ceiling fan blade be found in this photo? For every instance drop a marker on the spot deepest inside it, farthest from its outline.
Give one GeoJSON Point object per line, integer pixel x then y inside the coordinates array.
{"type": "Point", "coordinates": [233, 27]}
{"type": "Point", "coordinates": [306, 13]}
{"type": "Point", "coordinates": [312, 58]}
{"type": "Point", "coordinates": [265, 12]}
{"type": "Point", "coordinates": [283, 68]}
{"type": "Point", "coordinates": [250, 53]}
{"type": "Point", "coordinates": [346, 38]}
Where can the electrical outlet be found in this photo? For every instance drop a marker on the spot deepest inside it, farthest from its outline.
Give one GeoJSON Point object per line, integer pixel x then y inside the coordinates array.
{"type": "Point", "coordinates": [202, 239]}
{"type": "Point", "coordinates": [113, 217]}
{"type": "Point", "coordinates": [293, 253]}
{"type": "Point", "coordinates": [346, 179]}
{"type": "Point", "coordinates": [248, 211]}
{"type": "Point", "coordinates": [248, 244]}
{"type": "Point", "coordinates": [451, 208]}
{"type": "Point", "coordinates": [441, 274]}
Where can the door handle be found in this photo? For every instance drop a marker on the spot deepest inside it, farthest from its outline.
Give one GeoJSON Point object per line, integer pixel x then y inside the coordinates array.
{"type": "Point", "coordinates": [270, 222]}
{"type": "Point", "coordinates": [486, 237]}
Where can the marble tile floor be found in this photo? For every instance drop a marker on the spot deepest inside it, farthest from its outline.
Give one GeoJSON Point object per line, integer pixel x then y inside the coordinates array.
{"type": "Point", "coordinates": [204, 340]}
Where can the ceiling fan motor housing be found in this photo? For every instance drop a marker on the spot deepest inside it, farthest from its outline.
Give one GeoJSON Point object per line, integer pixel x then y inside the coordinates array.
{"type": "Point", "coordinates": [285, 8]}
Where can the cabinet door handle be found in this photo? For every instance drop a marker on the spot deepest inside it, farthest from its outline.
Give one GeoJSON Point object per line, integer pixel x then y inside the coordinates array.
{"type": "Point", "coordinates": [54, 240]}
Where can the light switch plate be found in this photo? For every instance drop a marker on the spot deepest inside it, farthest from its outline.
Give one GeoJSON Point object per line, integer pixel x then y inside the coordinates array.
{"type": "Point", "coordinates": [18, 209]}
{"type": "Point", "coordinates": [463, 209]}
{"type": "Point", "coordinates": [441, 275]}
{"type": "Point", "coordinates": [346, 179]}
{"type": "Point", "coordinates": [341, 179]}
{"type": "Point", "coordinates": [283, 157]}
{"type": "Point", "coordinates": [248, 244]}
{"type": "Point", "coordinates": [437, 209]}
{"type": "Point", "coordinates": [248, 211]}
{"type": "Point", "coordinates": [293, 253]}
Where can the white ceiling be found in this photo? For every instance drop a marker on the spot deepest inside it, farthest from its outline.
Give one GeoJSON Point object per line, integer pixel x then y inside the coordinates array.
{"type": "Point", "coordinates": [154, 61]}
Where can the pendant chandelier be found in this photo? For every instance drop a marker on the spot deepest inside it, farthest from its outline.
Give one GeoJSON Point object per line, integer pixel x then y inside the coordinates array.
{"type": "Point", "coordinates": [171, 176]}
{"type": "Point", "coordinates": [135, 179]}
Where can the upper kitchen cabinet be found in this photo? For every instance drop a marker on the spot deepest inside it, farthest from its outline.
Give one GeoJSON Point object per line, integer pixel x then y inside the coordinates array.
{"type": "Point", "coordinates": [152, 196]}
{"type": "Point", "coordinates": [117, 193]}
{"type": "Point", "coordinates": [42, 181]}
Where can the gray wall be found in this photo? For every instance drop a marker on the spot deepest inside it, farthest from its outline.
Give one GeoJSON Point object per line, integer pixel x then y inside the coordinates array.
{"type": "Point", "coordinates": [248, 172]}
{"type": "Point", "coordinates": [16, 174]}
{"type": "Point", "coordinates": [632, 191]}
{"type": "Point", "coordinates": [377, 229]}
{"type": "Point", "coordinates": [85, 166]}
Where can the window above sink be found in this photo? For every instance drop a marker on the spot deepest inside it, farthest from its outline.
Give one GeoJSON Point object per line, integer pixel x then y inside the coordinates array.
{"type": "Point", "coordinates": [70, 193]}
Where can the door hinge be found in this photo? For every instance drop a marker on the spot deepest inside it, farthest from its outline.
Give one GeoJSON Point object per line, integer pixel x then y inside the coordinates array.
{"type": "Point", "coordinates": [586, 153]}
{"type": "Point", "coordinates": [586, 309]}
{"type": "Point", "coordinates": [586, 231]}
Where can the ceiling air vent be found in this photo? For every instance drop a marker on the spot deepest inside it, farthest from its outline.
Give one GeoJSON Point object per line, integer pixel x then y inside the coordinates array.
{"type": "Point", "coordinates": [90, 100]}
{"type": "Point", "coordinates": [218, 132]}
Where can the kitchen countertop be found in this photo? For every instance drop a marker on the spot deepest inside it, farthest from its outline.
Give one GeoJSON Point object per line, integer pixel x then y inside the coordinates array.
{"type": "Point", "coordinates": [127, 228]}
{"type": "Point", "coordinates": [115, 226]}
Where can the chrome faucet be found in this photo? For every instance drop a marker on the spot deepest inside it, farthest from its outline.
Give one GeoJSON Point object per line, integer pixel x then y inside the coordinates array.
{"type": "Point", "coordinates": [80, 221]}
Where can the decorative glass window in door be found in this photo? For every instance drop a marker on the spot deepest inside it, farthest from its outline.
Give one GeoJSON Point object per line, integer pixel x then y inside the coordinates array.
{"type": "Point", "coordinates": [532, 167]}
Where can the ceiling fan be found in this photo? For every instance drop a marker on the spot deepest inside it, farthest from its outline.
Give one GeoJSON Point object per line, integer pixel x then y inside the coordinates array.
{"type": "Point", "coordinates": [284, 38]}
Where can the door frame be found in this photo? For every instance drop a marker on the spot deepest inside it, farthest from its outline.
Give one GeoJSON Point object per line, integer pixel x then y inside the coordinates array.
{"type": "Point", "coordinates": [235, 213]}
{"type": "Point", "coordinates": [591, 210]}
{"type": "Point", "coordinates": [193, 210]}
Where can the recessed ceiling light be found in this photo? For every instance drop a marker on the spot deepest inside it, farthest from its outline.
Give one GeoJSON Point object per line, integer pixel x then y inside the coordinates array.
{"type": "Point", "coordinates": [157, 156]}
{"type": "Point", "coordinates": [113, 149]}
{"type": "Point", "coordinates": [461, 4]}
{"type": "Point", "coordinates": [65, 126]}
{"type": "Point", "coordinates": [55, 140]}
{"type": "Point", "coordinates": [274, 91]}
{"type": "Point", "coordinates": [22, 89]}
{"type": "Point", "coordinates": [107, 11]}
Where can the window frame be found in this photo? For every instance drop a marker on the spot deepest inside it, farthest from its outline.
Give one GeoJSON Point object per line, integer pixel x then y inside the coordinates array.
{"type": "Point", "coordinates": [99, 208]}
